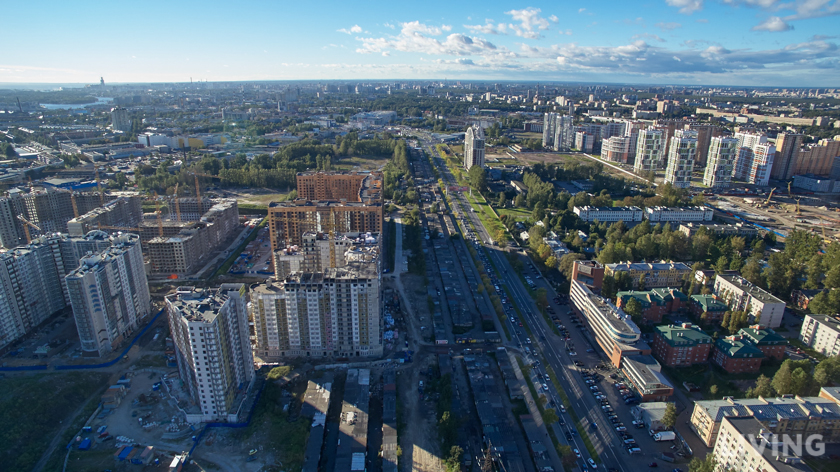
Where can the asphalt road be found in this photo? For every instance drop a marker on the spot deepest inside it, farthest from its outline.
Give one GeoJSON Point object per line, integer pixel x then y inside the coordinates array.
{"type": "Point", "coordinates": [604, 438]}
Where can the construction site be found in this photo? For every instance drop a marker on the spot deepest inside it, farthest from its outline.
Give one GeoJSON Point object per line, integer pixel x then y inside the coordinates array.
{"type": "Point", "coordinates": [783, 209]}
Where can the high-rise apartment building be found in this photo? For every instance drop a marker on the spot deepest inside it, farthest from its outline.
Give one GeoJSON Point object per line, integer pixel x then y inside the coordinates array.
{"type": "Point", "coordinates": [123, 212]}
{"type": "Point", "coordinates": [32, 286]}
{"type": "Point", "coordinates": [549, 129]}
{"type": "Point", "coordinates": [109, 294]}
{"type": "Point", "coordinates": [787, 150]}
{"type": "Point", "coordinates": [705, 133]}
{"type": "Point", "coordinates": [743, 443]}
{"type": "Point", "coordinates": [49, 209]}
{"type": "Point", "coordinates": [350, 186]}
{"type": "Point", "coordinates": [474, 147]}
{"type": "Point", "coordinates": [616, 149]}
{"type": "Point", "coordinates": [721, 158]}
{"type": "Point", "coordinates": [681, 158]}
{"type": "Point", "coordinates": [649, 151]}
{"type": "Point", "coordinates": [558, 132]}
{"type": "Point", "coordinates": [213, 349]}
{"type": "Point", "coordinates": [289, 220]}
{"type": "Point", "coordinates": [755, 158]}
{"type": "Point", "coordinates": [818, 159]}
{"type": "Point", "coordinates": [320, 251]}
{"type": "Point", "coordinates": [333, 313]}
{"type": "Point", "coordinates": [119, 120]}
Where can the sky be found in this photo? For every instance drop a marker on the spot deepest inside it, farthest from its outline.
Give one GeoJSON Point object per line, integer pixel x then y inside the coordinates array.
{"type": "Point", "coordinates": [786, 43]}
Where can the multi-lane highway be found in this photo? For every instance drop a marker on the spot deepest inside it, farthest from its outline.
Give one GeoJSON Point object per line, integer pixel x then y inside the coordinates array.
{"type": "Point", "coordinates": [605, 439]}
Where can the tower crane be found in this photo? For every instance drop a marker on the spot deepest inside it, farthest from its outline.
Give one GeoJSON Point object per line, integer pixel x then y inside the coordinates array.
{"type": "Point", "coordinates": [26, 225]}
{"type": "Point", "coordinates": [197, 186]}
{"type": "Point", "coordinates": [177, 203]}
{"type": "Point", "coordinates": [75, 205]}
{"type": "Point", "coordinates": [159, 219]}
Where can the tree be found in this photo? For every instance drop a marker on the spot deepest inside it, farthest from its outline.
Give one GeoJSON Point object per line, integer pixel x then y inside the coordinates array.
{"type": "Point", "coordinates": [721, 265]}
{"type": "Point", "coordinates": [478, 178]}
{"type": "Point", "coordinates": [763, 388]}
{"type": "Point", "coordinates": [826, 302]}
{"type": "Point", "coordinates": [633, 308]}
{"type": "Point", "coordinates": [713, 390]}
{"type": "Point", "coordinates": [502, 201]}
{"type": "Point", "coordinates": [550, 416]}
{"type": "Point", "coordinates": [566, 263]}
{"type": "Point", "coordinates": [752, 272]}
{"type": "Point", "coordinates": [551, 262]}
{"type": "Point", "coordinates": [709, 464]}
{"type": "Point", "coordinates": [669, 418]}
{"type": "Point", "coordinates": [827, 372]}
{"type": "Point", "coordinates": [608, 287]}
{"type": "Point", "coordinates": [453, 461]}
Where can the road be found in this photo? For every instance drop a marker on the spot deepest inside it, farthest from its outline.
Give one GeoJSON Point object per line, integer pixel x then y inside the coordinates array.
{"type": "Point", "coordinates": [605, 439]}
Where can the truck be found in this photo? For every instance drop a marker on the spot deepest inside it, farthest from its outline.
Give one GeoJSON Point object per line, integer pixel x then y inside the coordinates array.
{"type": "Point", "coordinates": [664, 436]}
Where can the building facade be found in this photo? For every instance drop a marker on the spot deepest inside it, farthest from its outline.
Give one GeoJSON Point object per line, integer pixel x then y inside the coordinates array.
{"type": "Point", "coordinates": [738, 229]}
{"type": "Point", "coordinates": [644, 374]}
{"type": "Point", "coordinates": [654, 274]}
{"type": "Point", "coordinates": [741, 295]}
{"type": "Point", "coordinates": [821, 333]}
{"type": "Point", "coordinates": [681, 152]}
{"type": "Point", "coordinates": [109, 294]}
{"type": "Point", "coordinates": [590, 274]}
{"type": "Point", "coordinates": [289, 220]}
{"type": "Point", "coordinates": [474, 147]}
{"type": "Point", "coordinates": [655, 303]}
{"type": "Point", "coordinates": [721, 159]}
{"type": "Point", "coordinates": [688, 214]}
{"type": "Point", "coordinates": [745, 444]}
{"type": "Point", "coordinates": [770, 343]}
{"type": "Point", "coordinates": [708, 308]}
{"type": "Point", "coordinates": [754, 160]}
{"type": "Point", "coordinates": [609, 214]}
{"type": "Point", "coordinates": [210, 331]}
{"type": "Point", "coordinates": [736, 355]}
{"type": "Point", "coordinates": [349, 186]}
{"type": "Point", "coordinates": [649, 151]}
{"type": "Point", "coordinates": [681, 345]}
{"type": "Point", "coordinates": [787, 151]}
{"type": "Point", "coordinates": [616, 149]}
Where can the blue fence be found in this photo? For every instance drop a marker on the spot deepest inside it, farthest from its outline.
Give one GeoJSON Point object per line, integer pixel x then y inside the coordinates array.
{"type": "Point", "coordinates": [88, 366]}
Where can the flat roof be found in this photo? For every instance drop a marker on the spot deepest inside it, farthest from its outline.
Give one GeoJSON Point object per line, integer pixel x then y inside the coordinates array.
{"type": "Point", "coordinates": [644, 266]}
{"type": "Point", "coordinates": [751, 427]}
{"type": "Point", "coordinates": [750, 288]}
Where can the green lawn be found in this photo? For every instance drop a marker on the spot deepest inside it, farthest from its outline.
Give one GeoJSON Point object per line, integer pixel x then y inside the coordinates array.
{"type": "Point", "coordinates": [519, 213]}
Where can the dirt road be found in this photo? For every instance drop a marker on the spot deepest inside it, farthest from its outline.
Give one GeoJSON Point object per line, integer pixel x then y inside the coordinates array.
{"type": "Point", "coordinates": [418, 437]}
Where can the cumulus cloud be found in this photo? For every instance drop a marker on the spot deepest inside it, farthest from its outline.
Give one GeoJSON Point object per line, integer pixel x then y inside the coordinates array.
{"type": "Point", "coordinates": [417, 37]}
{"type": "Point", "coordinates": [355, 29]}
{"type": "Point", "coordinates": [773, 24]}
{"type": "Point", "coordinates": [530, 22]}
{"type": "Point", "coordinates": [581, 10]}
{"type": "Point", "coordinates": [668, 26]}
{"type": "Point", "coordinates": [648, 36]}
{"type": "Point", "coordinates": [686, 7]}
{"type": "Point", "coordinates": [388, 25]}
{"type": "Point", "coordinates": [488, 28]}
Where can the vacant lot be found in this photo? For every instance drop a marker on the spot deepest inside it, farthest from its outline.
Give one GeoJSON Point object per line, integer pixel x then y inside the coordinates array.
{"type": "Point", "coordinates": [548, 157]}
{"type": "Point", "coordinates": [33, 408]}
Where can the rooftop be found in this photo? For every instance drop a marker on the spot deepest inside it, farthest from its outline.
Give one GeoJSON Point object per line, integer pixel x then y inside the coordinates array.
{"type": "Point", "coordinates": [201, 305]}
{"type": "Point", "coordinates": [737, 347]}
{"type": "Point", "coordinates": [648, 370]}
{"type": "Point", "coordinates": [710, 303]}
{"type": "Point", "coordinates": [683, 335]}
{"type": "Point", "coordinates": [624, 208]}
{"type": "Point", "coordinates": [762, 336]}
{"type": "Point", "coordinates": [827, 321]}
{"type": "Point", "coordinates": [648, 266]}
{"type": "Point", "coordinates": [755, 292]}
{"type": "Point", "coordinates": [751, 427]}
{"type": "Point", "coordinates": [322, 204]}
{"type": "Point", "coordinates": [618, 320]}
{"type": "Point", "coordinates": [771, 408]}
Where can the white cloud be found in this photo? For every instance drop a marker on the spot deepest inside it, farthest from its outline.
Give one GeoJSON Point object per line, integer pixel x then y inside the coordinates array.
{"type": "Point", "coordinates": [567, 32]}
{"type": "Point", "coordinates": [553, 18]}
{"type": "Point", "coordinates": [388, 25]}
{"type": "Point", "coordinates": [355, 29]}
{"type": "Point", "coordinates": [446, 27]}
{"type": "Point", "coordinates": [530, 22]}
{"type": "Point", "coordinates": [488, 28]}
{"type": "Point", "coordinates": [668, 26]}
{"type": "Point", "coordinates": [701, 20]}
{"type": "Point", "coordinates": [773, 24]}
{"type": "Point", "coordinates": [581, 10]}
{"type": "Point", "coordinates": [686, 7]}
{"type": "Point", "coordinates": [416, 37]}
{"type": "Point", "coordinates": [649, 36]}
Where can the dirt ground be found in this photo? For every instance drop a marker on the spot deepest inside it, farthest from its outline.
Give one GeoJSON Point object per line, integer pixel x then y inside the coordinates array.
{"type": "Point", "coordinates": [418, 437]}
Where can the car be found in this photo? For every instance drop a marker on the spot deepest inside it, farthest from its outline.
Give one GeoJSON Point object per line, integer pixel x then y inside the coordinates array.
{"type": "Point", "coordinates": [562, 423]}
{"type": "Point", "coordinates": [620, 428]}
{"type": "Point", "coordinates": [545, 387]}
{"type": "Point", "coordinates": [592, 463]}
{"type": "Point", "coordinates": [653, 464]}
{"type": "Point", "coordinates": [577, 453]}
{"type": "Point", "coordinates": [568, 436]}
{"type": "Point", "coordinates": [590, 350]}
{"type": "Point", "coordinates": [562, 409]}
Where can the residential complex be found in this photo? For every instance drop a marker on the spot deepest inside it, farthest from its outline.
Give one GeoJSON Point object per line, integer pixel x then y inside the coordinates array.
{"type": "Point", "coordinates": [109, 294]}
{"type": "Point", "coordinates": [653, 274]}
{"type": "Point", "coordinates": [349, 186]}
{"type": "Point", "coordinates": [785, 414]}
{"type": "Point", "coordinates": [289, 220]}
{"type": "Point", "coordinates": [708, 308]}
{"type": "Point", "coordinates": [745, 444]}
{"type": "Point", "coordinates": [649, 151]}
{"type": "Point", "coordinates": [613, 329]}
{"type": "Point", "coordinates": [661, 214]}
{"type": "Point", "coordinates": [209, 328]}
{"type": "Point", "coordinates": [331, 313]}
{"type": "Point", "coordinates": [738, 229]}
{"type": "Point", "coordinates": [736, 355]}
{"type": "Point", "coordinates": [629, 214]}
{"type": "Point", "coordinates": [754, 160]}
{"type": "Point", "coordinates": [787, 152]}
{"type": "Point", "coordinates": [187, 251]}
{"type": "Point", "coordinates": [474, 147]}
{"type": "Point", "coordinates": [47, 208]}
{"type": "Point", "coordinates": [616, 149]}
{"type": "Point", "coordinates": [122, 212]}
{"type": "Point", "coordinates": [321, 251]}
{"type": "Point", "coordinates": [558, 132]}
{"type": "Point", "coordinates": [770, 343]}
{"type": "Point", "coordinates": [741, 295]}
{"type": "Point", "coordinates": [681, 345]}
{"type": "Point", "coordinates": [722, 152]}
{"type": "Point", "coordinates": [821, 333]}
{"type": "Point", "coordinates": [655, 302]}
{"type": "Point", "coordinates": [681, 153]}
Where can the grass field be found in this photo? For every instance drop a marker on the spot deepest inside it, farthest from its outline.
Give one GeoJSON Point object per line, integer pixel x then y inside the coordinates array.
{"type": "Point", "coordinates": [265, 199]}
{"type": "Point", "coordinates": [518, 213]}
{"type": "Point", "coordinates": [32, 409]}
{"type": "Point", "coordinates": [362, 162]}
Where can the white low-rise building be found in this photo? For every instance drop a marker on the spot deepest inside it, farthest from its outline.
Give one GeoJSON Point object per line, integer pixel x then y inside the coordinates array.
{"type": "Point", "coordinates": [741, 295]}
{"type": "Point", "coordinates": [685, 214]}
{"type": "Point", "coordinates": [609, 214]}
{"type": "Point", "coordinates": [822, 334]}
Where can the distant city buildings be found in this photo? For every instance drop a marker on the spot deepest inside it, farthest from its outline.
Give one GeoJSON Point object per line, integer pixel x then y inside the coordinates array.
{"type": "Point", "coordinates": [119, 120]}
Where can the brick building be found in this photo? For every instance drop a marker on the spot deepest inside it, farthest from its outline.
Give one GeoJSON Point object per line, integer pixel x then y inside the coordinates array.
{"type": "Point", "coordinates": [707, 308]}
{"type": "Point", "coordinates": [589, 273]}
{"type": "Point", "coordinates": [289, 220]}
{"type": "Point", "coordinates": [766, 340]}
{"type": "Point", "coordinates": [655, 303]}
{"type": "Point", "coordinates": [350, 186]}
{"type": "Point", "coordinates": [681, 345]}
{"type": "Point", "coordinates": [736, 355]}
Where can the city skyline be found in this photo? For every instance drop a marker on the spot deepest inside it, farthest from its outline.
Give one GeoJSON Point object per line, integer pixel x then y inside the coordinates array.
{"type": "Point", "coordinates": [750, 42]}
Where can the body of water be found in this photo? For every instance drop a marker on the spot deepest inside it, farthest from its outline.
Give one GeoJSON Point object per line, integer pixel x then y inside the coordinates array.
{"type": "Point", "coordinates": [69, 106]}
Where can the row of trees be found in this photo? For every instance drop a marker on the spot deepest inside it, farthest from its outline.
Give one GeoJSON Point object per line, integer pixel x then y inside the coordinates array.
{"type": "Point", "coordinates": [798, 378]}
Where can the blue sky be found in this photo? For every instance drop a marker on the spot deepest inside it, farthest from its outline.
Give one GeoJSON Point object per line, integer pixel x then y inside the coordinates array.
{"type": "Point", "coordinates": [729, 42]}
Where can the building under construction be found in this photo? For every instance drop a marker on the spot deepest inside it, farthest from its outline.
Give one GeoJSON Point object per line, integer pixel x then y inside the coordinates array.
{"type": "Point", "coordinates": [185, 246]}
{"type": "Point", "coordinates": [41, 211]}
{"type": "Point", "coordinates": [122, 212]}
